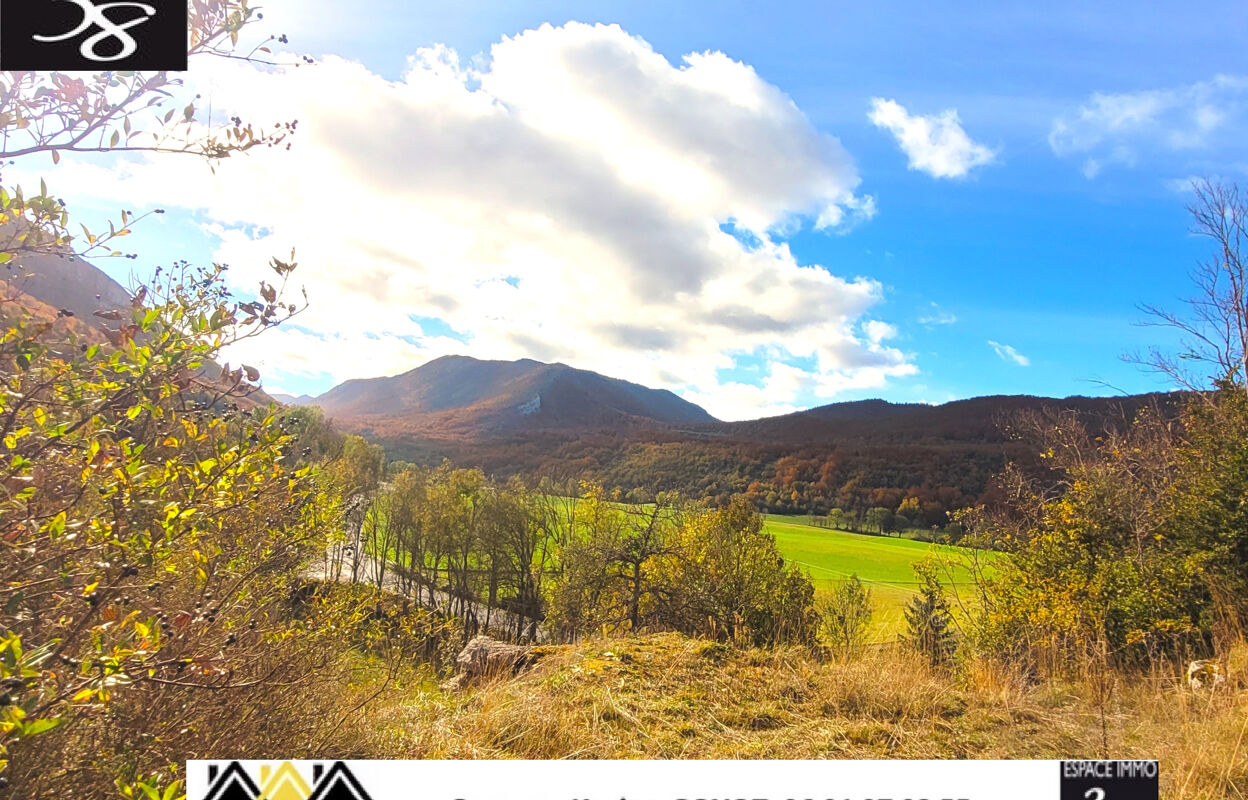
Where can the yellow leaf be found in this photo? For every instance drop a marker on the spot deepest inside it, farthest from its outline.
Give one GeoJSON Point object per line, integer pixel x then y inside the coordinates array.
{"type": "Point", "coordinates": [83, 696]}
{"type": "Point", "coordinates": [89, 588]}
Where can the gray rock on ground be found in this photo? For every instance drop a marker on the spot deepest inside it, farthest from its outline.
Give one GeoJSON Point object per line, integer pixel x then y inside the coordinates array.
{"type": "Point", "coordinates": [1205, 674]}
{"type": "Point", "coordinates": [484, 658]}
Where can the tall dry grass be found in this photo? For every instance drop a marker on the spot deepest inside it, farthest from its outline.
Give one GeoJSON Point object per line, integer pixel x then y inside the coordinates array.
{"type": "Point", "coordinates": [666, 696]}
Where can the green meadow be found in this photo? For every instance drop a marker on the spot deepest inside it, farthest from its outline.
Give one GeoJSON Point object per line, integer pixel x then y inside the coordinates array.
{"type": "Point", "coordinates": [884, 563]}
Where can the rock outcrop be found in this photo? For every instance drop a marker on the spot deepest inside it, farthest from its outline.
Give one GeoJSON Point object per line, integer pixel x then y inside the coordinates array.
{"type": "Point", "coordinates": [484, 658]}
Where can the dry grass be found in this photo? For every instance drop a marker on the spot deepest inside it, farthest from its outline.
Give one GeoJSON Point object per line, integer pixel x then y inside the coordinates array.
{"type": "Point", "coordinates": [665, 696]}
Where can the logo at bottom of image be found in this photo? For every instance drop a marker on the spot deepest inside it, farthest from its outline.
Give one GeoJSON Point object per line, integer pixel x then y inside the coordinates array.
{"type": "Point", "coordinates": [1109, 780]}
{"type": "Point", "coordinates": [283, 781]}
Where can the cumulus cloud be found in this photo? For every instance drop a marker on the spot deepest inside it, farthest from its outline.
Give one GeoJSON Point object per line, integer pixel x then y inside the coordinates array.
{"type": "Point", "coordinates": [1124, 128]}
{"type": "Point", "coordinates": [565, 198]}
{"type": "Point", "coordinates": [1007, 353]}
{"type": "Point", "coordinates": [934, 143]}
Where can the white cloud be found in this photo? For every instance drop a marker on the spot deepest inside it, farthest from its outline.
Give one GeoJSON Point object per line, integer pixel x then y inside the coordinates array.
{"type": "Point", "coordinates": [938, 316]}
{"type": "Point", "coordinates": [1007, 353]}
{"type": "Point", "coordinates": [1188, 184]}
{"type": "Point", "coordinates": [563, 201]}
{"type": "Point", "coordinates": [934, 143]}
{"type": "Point", "coordinates": [1123, 128]}
{"type": "Point", "coordinates": [736, 400]}
{"type": "Point", "coordinates": [733, 400]}
{"type": "Point", "coordinates": [877, 331]}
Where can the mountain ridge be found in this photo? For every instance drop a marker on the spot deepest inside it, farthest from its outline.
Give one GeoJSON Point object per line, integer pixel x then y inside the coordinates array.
{"type": "Point", "coordinates": [551, 420]}
{"type": "Point", "coordinates": [452, 388]}
{"type": "Point", "coordinates": [465, 395]}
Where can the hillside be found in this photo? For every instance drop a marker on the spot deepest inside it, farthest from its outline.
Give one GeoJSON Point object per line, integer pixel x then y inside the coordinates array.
{"type": "Point", "coordinates": [68, 292]}
{"type": "Point", "coordinates": [64, 283]}
{"type": "Point", "coordinates": [462, 396]}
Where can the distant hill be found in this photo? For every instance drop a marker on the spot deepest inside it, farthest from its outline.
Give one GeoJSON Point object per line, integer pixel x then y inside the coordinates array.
{"type": "Point", "coordinates": [974, 420]}
{"type": "Point", "coordinates": [461, 396]}
{"type": "Point", "coordinates": [860, 410]}
{"type": "Point", "coordinates": [46, 286]}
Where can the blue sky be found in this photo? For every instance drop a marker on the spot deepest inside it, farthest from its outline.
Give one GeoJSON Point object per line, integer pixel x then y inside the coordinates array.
{"type": "Point", "coordinates": [1009, 256]}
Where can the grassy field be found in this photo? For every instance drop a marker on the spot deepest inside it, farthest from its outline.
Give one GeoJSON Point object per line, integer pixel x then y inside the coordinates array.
{"type": "Point", "coordinates": [883, 563]}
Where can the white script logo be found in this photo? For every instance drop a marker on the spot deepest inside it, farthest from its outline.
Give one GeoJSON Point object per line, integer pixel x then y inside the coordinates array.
{"type": "Point", "coordinates": [94, 15]}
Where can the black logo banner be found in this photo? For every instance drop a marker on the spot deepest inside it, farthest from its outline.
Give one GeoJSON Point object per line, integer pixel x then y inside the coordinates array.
{"type": "Point", "coordinates": [93, 35]}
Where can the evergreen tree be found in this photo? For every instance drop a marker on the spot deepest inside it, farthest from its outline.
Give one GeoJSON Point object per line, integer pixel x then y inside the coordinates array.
{"type": "Point", "coordinates": [928, 619]}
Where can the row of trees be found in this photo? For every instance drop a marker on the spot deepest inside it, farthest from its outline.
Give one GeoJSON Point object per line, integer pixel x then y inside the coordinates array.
{"type": "Point", "coordinates": [508, 557]}
{"type": "Point", "coordinates": [883, 520]}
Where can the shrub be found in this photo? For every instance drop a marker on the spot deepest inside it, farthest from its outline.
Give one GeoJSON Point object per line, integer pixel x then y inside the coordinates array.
{"type": "Point", "coordinates": [845, 615]}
